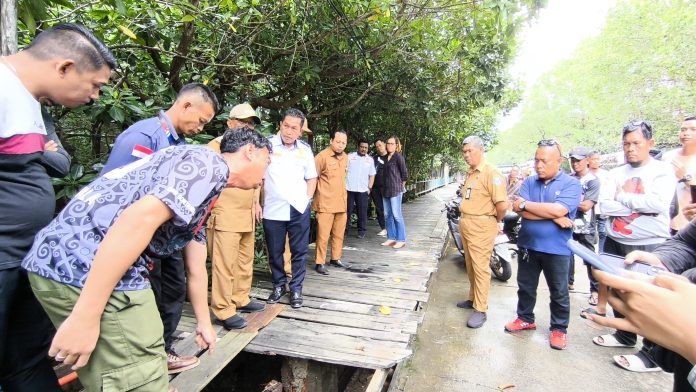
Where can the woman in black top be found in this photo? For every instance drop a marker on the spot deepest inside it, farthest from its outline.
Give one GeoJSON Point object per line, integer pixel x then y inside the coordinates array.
{"type": "Point", "coordinates": [395, 176]}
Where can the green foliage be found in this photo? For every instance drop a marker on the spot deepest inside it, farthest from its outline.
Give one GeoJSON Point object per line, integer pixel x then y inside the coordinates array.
{"type": "Point", "coordinates": [640, 66]}
{"type": "Point", "coordinates": [69, 185]}
{"type": "Point", "coordinates": [429, 71]}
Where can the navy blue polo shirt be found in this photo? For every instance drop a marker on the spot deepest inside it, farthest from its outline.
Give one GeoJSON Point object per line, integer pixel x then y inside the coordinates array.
{"type": "Point", "coordinates": [544, 235]}
{"type": "Point", "coordinates": [142, 139]}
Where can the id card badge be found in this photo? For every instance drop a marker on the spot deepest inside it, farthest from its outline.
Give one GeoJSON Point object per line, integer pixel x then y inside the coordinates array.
{"type": "Point", "coordinates": [467, 196]}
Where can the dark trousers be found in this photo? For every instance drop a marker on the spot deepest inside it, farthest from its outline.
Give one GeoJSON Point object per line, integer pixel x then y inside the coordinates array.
{"type": "Point", "coordinates": [25, 336]}
{"type": "Point", "coordinates": [586, 240]}
{"type": "Point", "coordinates": [555, 269]}
{"type": "Point", "coordinates": [630, 338]}
{"type": "Point", "coordinates": [376, 196]}
{"type": "Point", "coordinates": [601, 232]}
{"type": "Point", "coordinates": [359, 199]}
{"type": "Point", "coordinates": [297, 230]}
{"type": "Point", "coordinates": [168, 280]}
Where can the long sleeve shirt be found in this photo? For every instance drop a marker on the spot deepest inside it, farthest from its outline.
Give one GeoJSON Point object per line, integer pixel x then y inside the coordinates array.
{"type": "Point", "coordinates": [639, 214]}
{"type": "Point", "coordinates": [395, 174]}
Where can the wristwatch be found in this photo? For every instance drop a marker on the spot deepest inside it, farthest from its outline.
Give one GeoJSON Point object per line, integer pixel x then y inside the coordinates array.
{"type": "Point", "coordinates": [522, 205]}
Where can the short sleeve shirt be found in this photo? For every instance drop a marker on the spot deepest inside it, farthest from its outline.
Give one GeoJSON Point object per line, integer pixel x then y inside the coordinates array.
{"type": "Point", "coordinates": [482, 189]}
{"type": "Point", "coordinates": [187, 179]}
{"type": "Point", "coordinates": [331, 195]}
{"type": "Point", "coordinates": [286, 178]}
{"type": "Point", "coordinates": [360, 169]}
{"type": "Point", "coordinates": [545, 235]}
{"type": "Point", "coordinates": [585, 222]}
{"type": "Point", "coordinates": [142, 139]}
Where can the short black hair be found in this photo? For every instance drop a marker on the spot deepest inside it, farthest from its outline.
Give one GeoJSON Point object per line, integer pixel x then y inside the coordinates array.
{"type": "Point", "coordinates": [644, 126]}
{"type": "Point", "coordinates": [363, 140]}
{"type": "Point", "coordinates": [297, 113]}
{"type": "Point", "coordinates": [74, 41]}
{"type": "Point", "coordinates": [690, 118]}
{"type": "Point", "coordinates": [235, 138]}
{"type": "Point", "coordinates": [333, 134]}
{"type": "Point", "coordinates": [593, 153]}
{"type": "Point", "coordinates": [203, 91]}
{"type": "Point", "coordinates": [378, 139]}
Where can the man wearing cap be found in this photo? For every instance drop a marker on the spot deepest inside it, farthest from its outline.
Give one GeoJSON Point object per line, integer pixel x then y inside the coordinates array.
{"type": "Point", "coordinates": [289, 185]}
{"type": "Point", "coordinates": [231, 230]}
{"type": "Point", "coordinates": [585, 219]}
{"type": "Point", "coordinates": [330, 201]}
{"type": "Point", "coordinates": [194, 107]}
{"type": "Point", "coordinates": [483, 206]}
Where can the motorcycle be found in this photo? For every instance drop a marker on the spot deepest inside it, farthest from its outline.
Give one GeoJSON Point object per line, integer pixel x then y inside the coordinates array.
{"type": "Point", "coordinates": [501, 258]}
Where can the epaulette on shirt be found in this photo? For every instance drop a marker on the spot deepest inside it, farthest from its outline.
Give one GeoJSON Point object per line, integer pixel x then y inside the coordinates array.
{"type": "Point", "coordinates": [305, 143]}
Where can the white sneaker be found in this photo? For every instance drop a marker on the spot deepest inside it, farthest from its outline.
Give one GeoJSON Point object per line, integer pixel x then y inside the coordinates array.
{"type": "Point", "coordinates": [382, 233]}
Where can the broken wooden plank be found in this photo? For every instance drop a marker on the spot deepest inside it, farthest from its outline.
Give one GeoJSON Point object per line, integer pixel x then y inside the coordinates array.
{"type": "Point", "coordinates": [377, 382]}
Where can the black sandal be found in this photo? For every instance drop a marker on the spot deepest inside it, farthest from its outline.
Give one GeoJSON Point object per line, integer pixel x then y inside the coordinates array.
{"type": "Point", "coordinates": [593, 311]}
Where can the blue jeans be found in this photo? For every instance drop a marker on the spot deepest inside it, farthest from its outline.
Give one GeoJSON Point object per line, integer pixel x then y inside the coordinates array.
{"type": "Point", "coordinates": [297, 230]}
{"type": "Point", "coordinates": [555, 268]}
{"type": "Point", "coordinates": [396, 227]}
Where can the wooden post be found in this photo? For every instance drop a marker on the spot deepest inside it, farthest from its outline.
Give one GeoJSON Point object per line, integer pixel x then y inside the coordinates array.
{"type": "Point", "coordinates": [301, 375]}
{"type": "Point", "coordinates": [8, 27]}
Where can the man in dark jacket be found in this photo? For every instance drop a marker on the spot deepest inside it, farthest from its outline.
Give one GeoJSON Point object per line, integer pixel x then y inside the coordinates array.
{"type": "Point", "coordinates": [380, 158]}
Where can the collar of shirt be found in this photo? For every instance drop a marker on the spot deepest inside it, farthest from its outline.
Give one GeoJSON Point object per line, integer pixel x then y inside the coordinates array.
{"type": "Point", "coordinates": [278, 141]}
{"type": "Point", "coordinates": [172, 129]}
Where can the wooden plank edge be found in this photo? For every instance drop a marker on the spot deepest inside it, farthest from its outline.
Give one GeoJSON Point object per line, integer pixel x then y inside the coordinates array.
{"type": "Point", "coordinates": [377, 381]}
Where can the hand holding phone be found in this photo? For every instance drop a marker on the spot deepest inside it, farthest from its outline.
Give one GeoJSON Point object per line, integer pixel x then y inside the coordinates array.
{"type": "Point", "coordinates": [612, 264]}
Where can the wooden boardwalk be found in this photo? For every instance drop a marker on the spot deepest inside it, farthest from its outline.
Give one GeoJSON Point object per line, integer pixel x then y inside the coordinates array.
{"type": "Point", "coordinates": [364, 317]}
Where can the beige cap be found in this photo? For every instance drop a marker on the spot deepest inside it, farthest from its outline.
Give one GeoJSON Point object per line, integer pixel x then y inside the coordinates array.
{"type": "Point", "coordinates": [244, 110]}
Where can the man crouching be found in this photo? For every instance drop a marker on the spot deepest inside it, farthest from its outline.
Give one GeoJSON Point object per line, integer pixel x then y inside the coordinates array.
{"type": "Point", "coordinates": [89, 266]}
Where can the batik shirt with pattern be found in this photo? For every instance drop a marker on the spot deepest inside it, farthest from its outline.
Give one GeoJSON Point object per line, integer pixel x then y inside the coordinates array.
{"type": "Point", "coordinates": [186, 178]}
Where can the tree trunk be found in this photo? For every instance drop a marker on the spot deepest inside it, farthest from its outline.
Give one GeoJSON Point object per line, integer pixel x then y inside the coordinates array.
{"type": "Point", "coordinates": [8, 27]}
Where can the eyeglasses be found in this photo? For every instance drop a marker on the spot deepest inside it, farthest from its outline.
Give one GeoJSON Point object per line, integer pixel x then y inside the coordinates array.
{"type": "Point", "coordinates": [391, 144]}
{"type": "Point", "coordinates": [247, 121]}
{"type": "Point", "coordinates": [550, 143]}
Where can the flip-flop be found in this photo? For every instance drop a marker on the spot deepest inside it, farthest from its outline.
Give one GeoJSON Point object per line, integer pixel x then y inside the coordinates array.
{"type": "Point", "coordinates": [584, 312]}
{"type": "Point", "coordinates": [609, 340]}
{"type": "Point", "coordinates": [635, 364]}
{"type": "Point", "coordinates": [594, 299]}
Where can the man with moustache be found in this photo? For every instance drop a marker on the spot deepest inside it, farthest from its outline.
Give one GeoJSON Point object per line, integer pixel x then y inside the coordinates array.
{"type": "Point", "coordinates": [359, 181]}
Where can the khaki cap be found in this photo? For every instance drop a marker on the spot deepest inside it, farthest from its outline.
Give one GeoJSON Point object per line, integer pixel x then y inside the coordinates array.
{"type": "Point", "coordinates": [244, 110]}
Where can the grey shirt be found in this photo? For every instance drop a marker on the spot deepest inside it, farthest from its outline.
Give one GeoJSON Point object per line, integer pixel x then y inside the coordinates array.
{"type": "Point", "coordinates": [186, 178]}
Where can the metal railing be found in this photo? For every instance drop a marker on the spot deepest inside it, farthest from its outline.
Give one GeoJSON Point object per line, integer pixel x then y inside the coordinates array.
{"type": "Point", "coordinates": [422, 187]}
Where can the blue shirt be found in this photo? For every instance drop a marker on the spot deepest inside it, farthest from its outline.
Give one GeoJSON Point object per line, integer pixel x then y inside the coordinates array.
{"type": "Point", "coordinates": [360, 169]}
{"type": "Point", "coordinates": [187, 179]}
{"type": "Point", "coordinates": [142, 139]}
{"type": "Point", "coordinates": [544, 235]}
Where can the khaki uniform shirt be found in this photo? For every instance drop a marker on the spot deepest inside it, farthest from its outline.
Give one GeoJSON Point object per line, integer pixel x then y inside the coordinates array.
{"type": "Point", "coordinates": [331, 194]}
{"type": "Point", "coordinates": [234, 209]}
{"type": "Point", "coordinates": [483, 188]}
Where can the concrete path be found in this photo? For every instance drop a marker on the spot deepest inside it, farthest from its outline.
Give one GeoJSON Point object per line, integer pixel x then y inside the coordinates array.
{"type": "Point", "coordinates": [451, 357]}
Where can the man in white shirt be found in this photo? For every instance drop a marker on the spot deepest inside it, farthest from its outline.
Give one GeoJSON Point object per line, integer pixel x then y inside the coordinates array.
{"type": "Point", "coordinates": [290, 181]}
{"type": "Point", "coordinates": [359, 182]}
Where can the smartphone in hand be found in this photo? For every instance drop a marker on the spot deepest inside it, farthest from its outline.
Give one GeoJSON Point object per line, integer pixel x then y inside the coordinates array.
{"type": "Point", "coordinates": [611, 263]}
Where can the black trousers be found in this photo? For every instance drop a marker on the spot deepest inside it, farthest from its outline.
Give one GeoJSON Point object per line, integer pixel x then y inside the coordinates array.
{"type": "Point", "coordinates": [25, 336]}
{"type": "Point", "coordinates": [360, 199]}
{"type": "Point", "coordinates": [616, 248]}
{"type": "Point", "coordinates": [168, 280]}
{"type": "Point", "coordinates": [555, 269]}
{"type": "Point", "coordinates": [297, 230]}
{"type": "Point", "coordinates": [585, 240]}
{"type": "Point", "coordinates": [376, 196]}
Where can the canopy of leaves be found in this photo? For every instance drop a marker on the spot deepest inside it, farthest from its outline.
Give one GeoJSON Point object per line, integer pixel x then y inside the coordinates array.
{"type": "Point", "coordinates": [638, 67]}
{"type": "Point", "coordinates": [429, 71]}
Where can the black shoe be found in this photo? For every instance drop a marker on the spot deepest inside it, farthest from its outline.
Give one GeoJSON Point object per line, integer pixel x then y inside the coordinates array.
{"type": "Point", "coordinates": [361, 235]}
{"type": "Point", "coordinates": [468, 304]}
{"type": "Point", "coordinates": [252, 307]}
{"type": "Point", "coordinates": [234, 322]}
{"type": "Point", "coordinates": [337, 263]}
{"type": "Point", "coordinates": [321, 268]}
{"type": "Point", "coordinates": [296, 299]}
{"type": "Point", "coordinates": [277, 293]}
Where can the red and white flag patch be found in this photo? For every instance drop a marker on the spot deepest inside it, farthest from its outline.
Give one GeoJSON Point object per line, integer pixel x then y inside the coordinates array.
{"type": "Point", "coordinates": [141, 151]}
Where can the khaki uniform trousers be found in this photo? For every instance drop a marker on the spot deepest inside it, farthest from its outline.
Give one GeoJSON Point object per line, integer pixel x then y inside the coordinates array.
{"type": "Point", "coordinates": [335, 225]}
{"type": "Point", "coordinates": [478, 237]}
{"type": "Point", "coordinates": [233, 268]}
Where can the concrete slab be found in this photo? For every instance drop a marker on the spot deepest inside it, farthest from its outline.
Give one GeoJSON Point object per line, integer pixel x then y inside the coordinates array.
{"type": "Point", "coordinates": [451, 357]}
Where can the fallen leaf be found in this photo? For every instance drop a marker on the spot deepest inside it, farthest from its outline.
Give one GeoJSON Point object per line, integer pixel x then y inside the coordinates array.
{"type": "Point", "coordinates": [397, 280]}
{"type": "Point", "coordinates": [503, 387]}
{"type": "Point", "coordinates": [125, 30]}
{"type": "Point", "coordinates": [385, 310]}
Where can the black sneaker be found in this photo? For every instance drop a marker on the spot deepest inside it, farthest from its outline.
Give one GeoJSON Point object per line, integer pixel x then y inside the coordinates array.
{"type": "Point", "coordinates": [252, 307]}
{"type": "Point", "coordinates": [361, 235]}
{"type": "Point", "coordinates": [277, 293]}
{"type": "Point", "coordinates": [234, 322]}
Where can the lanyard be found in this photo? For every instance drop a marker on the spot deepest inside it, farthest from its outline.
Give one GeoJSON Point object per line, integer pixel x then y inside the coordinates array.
{"type": "Point", "coordinates": [167, 131]}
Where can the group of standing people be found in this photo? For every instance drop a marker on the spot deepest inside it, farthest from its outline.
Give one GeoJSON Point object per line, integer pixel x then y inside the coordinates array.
{"type": "Point", "coordinates": [631, 211]}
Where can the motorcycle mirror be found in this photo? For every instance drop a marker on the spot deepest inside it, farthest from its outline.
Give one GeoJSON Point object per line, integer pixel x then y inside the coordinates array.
{"type": "Point", "coordinates": [459, 192]}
